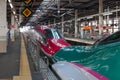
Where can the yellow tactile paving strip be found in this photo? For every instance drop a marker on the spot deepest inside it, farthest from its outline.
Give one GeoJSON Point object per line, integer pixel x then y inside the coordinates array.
{"type": "Point", "coordinates": [24, 73]}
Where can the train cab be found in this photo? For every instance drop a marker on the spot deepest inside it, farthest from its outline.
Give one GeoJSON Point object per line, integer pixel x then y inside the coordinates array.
{"type": "Point", "coordinates": [49, 39]}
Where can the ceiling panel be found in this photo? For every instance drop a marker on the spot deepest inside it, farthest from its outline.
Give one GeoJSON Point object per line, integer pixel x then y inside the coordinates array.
{"type": "Point", "coordinates": [66, 7]}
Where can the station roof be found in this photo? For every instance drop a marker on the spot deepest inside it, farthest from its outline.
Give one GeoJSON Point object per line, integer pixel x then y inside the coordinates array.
{"type": "Point", "coordinates": [45, 10]}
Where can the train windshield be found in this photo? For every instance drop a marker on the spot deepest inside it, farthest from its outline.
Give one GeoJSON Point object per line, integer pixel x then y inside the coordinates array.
{"type": "Point", "coordinates": [52, 33]}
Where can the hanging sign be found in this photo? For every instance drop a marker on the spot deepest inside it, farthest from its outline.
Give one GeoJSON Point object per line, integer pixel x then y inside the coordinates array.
{"type": "Point", "coordinates": [27, 2]}
{"type": "Point", "coordinates": [27, 12]}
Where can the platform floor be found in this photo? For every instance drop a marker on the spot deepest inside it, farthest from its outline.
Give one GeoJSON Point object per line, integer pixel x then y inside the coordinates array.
{"type": "Point", "coordinates": [10, 61]}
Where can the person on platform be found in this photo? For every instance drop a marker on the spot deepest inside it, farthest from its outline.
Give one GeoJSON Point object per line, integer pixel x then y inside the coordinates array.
{"type": "Point", "coordinates": [9, 34]}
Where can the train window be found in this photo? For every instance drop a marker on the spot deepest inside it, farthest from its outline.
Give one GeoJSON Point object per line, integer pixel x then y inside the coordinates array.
{"type": "Point", "coordinates": [52, 33]}
{"type": "Point", "coordinates": [112, 38]}
{"type": "Point", "coordinates": [48, 33]}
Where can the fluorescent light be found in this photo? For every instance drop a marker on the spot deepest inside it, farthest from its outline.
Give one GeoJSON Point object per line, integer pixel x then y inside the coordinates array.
{"type": "Point", "coordinates": [34, 15]}
{"type": "Point", "coordinates": [17, 20]}
{"type": "Point", "coordinates": [89, 17]}
{"type": "Point", "coordinates": [9, 1]}
{"type": "Point", "coordinates": [13, 12]}
{"type": "Point", "coordinates": [15, 16]}
{"type": "Point", "coordinates": [38, 10]}
{"type": "Point", "coordinates": [11, 5]}
{"type": "Point", "coordinates": [107, 13]}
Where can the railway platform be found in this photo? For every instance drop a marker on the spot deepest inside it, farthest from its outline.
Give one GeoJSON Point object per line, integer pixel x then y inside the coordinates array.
{"type": "Point", "coordinates": [18, 64]}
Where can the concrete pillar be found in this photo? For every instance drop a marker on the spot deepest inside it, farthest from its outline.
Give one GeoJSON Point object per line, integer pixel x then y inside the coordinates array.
{"type": "Point", "coordinates": [49, 22]}
{"type": "Point", "coordinates": [54, 22]}
{"type": "Point", "coordinates": [12, 27]}
{"type": "Point", "coordinates": [107, 23]}
{"type": "Point", "coordinates": [3, 26]}
{"type": "Point", "coordinates": [91, 26]}
{"type": "Point", "coordinates": [20, 15]}
{"type": "Point", "coordinates": [118, 23]}
{"type": "Point", "coordinates": [107, 17]}
{"type": "Point", "coordinates": [100, 17]}
{"type": "Point", "coordinates": [20, 18]}
{"type": "Point", "coordinates": [16, 25]}
{"type": "Point", "coordinates": [113, 25]}
{"type": "Point", "coordinates": [76, 28]}
{"type": "Point", "coordinates": [62, 25]}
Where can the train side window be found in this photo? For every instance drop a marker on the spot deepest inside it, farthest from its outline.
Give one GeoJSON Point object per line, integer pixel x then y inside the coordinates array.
{"type": "Point", "coordinates": [48, 33]}
{"type": "Point", "coordinates": [112, 38]}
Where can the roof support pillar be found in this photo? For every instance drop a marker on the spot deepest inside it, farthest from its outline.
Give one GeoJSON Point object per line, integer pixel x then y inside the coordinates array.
{"type": "Point", "coordinates": [62, 24]}
{"type": "Point", "coordinates": [54, 22]}
{"type": "Point", "coordinates": [20, 16]}
{"type": "Point", "coordinates": [49, 22]}
{"type": "Point", "coordinates": [76, 28]}
{"type": "Point", "coordinates": [3, 26]}
{"type": "Point", "coordinates": [100, 17]}
{"type": "Point", "coordinates": [107, 18]}
{"type": "Point", "coordinates": [118, 23]}
{"type": "Point", "coordinates": [112, 27]}
{"type": "Point", "coordinates": [12, 27]}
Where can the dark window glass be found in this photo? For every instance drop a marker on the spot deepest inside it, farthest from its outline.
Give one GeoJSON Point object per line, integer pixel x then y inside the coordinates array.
{"type": "Point", "coordinates": [52, 33]}
{"type": "Point", "coordinates": [48, 33]}
{"type": "Point", "coordinates": [112, 38]}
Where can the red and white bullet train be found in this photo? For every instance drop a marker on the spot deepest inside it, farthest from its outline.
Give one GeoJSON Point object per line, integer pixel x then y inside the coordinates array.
{"type": "Point", "coordinates": [52, 44]}
{"type": "Point", "coordinates": [48, 39]}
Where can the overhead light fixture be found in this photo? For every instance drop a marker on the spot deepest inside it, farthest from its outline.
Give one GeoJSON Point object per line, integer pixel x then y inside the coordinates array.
{"type": "Point", "coordinates": [15, 16]}
{"type": "Point", "coordinates": [107, 13]}
{"type": "Point", "coordinates": [34, 15]}
{"type": "Point", "coordinates": [89, 17]}
{"type": "Point", "coordinates": [17, 20]}
{"type": "Point", "coordinates": [9, 1]}
{"type": "Point", "coordinates": [14, 12]}
{"type": "Point", "coordinates": [38, 10]}
{"type": "Point", "coordinates": [11, 5]}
